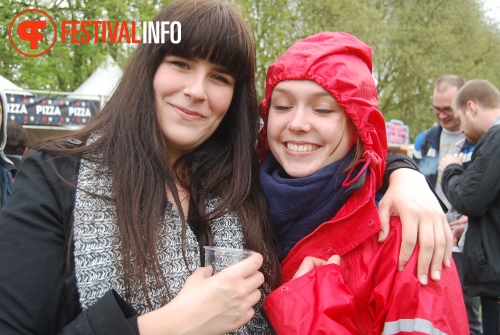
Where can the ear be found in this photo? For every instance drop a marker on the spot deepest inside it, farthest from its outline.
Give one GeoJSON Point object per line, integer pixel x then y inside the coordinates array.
{"type": "Point", "coordinates": [473, 107]}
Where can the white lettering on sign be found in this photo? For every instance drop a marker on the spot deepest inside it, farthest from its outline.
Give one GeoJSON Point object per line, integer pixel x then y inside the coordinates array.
{"type": "Point", "coordinates": [79, 111]}
{"type": "Point", "coordinates": [17, 109]}
{"type": "Point", "coordinates": [48, 110]}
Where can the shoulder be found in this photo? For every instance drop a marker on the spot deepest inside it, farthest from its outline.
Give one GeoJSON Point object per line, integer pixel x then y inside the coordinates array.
{"type": "Point", "coordinates": [487, 146]}
{"type": "Point", "coordinates": [494, 132]}
{"type": "Point", "coordinates": [419, 140]}
{"type": "Point", "coordinates": [434, 133]}
{"type": "Point", "coordinates": [51, 164]}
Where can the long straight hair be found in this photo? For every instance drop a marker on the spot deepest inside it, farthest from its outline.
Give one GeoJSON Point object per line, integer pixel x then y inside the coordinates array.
{"type": "Point", "coordinates": [132, 147]}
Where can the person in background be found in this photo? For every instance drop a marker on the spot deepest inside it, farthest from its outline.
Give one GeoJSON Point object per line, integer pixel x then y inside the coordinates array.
{"type": "Point", "coordinates": [6, 166]}
{"type": "Point", "coordinates": [442, 139]}
{"type": "Point", "coordinates": [106, 227]}
{"type": "Point", "coordinates": [324, 147]}
{"type": "Point", "coordinates": [17, 144]}
{"type": "Point", "coordinates": [475, 191]}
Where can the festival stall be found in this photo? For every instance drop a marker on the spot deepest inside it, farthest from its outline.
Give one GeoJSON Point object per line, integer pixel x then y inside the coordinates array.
{"type": "Point", "coordinates": [45, 114]}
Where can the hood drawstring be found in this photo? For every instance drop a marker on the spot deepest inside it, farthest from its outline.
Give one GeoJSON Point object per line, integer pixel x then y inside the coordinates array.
{"type": "Point", "coordinates": [370, 158]}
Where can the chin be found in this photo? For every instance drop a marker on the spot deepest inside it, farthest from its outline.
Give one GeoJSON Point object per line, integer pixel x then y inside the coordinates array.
{"type": "Point", "coordinates": [299, 172]}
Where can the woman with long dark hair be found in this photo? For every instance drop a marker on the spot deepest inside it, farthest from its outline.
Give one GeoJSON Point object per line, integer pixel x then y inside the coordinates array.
{"type": "Point", "coordinates": [166, 167]}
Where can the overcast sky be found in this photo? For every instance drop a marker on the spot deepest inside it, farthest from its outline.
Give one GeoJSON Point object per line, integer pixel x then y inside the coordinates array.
{"type": "Point", "coordinates": [493, 9]}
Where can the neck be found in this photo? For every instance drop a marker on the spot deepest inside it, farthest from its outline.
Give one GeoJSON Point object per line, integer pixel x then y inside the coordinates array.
{"type": "Point", "coordinates": [184, 199]}
{"type": "Point", "coordinates": [492, 118]}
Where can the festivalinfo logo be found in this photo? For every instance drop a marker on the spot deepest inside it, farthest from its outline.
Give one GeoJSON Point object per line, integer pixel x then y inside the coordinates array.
{"type": "Point", "coordinates": [33, 32]}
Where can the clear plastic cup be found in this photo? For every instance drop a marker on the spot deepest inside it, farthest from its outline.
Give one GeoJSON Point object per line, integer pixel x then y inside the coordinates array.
{"type": "Point", "coordinates": [220, 258]}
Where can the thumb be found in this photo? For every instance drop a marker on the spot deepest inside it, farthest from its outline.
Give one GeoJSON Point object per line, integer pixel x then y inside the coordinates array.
{"type": "Point", "coordinates": [335, 259]}
{"type": "Point", "coordinates": [202, 272]}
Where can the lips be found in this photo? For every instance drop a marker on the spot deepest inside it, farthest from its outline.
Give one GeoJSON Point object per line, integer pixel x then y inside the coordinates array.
{"type": "Point", "coordinates": [187, 114]}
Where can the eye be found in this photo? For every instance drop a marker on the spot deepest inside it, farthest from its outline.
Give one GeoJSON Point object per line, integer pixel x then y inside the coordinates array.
{"type": "Point", "coordinates": [179, 64]}
{"type": "Point", "coordinates": [323, 111]}
{"type": "Point", "coordinates": [223, 79]}
{"type": "Point", "coordinates": [281, 108]}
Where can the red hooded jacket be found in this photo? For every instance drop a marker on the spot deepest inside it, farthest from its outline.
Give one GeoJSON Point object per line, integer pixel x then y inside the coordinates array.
{"type": "Point", "coordinates": [365, 294]}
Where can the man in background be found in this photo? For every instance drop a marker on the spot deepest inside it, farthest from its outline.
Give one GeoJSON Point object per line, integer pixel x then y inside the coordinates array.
{"type": "Point", "coordinates": [5, 164]}
{"type": "Point", "coordinates": [17, 144]}
{"type": "Point", "coordinates": [476, 193]}
{"type": "Point", "coordinates": [445, 138]}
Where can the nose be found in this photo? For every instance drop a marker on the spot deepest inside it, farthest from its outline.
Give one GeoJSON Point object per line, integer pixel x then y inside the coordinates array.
{"type": "Point", "coordinates": [299, 120]}
{"type": "Point", "coordinates": [195, 87]}
{"type": "Point", "coordinates": [442, 116]}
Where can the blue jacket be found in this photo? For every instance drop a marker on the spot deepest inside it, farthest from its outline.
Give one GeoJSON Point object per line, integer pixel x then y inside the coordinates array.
{"type": "Point", "coordinates": [426, 153]}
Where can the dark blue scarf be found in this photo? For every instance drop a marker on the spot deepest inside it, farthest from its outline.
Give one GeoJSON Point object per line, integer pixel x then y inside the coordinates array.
{"type": "Point", "coordinates": [297, 206]}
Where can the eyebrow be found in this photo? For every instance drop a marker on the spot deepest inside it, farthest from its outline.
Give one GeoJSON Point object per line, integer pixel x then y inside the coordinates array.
{"type": "Point", "coordinates": [317, 94]}
{"type": "Point", "coordinates": [216, 67]}
{"type": "Point", "coordinates": [222, 69]}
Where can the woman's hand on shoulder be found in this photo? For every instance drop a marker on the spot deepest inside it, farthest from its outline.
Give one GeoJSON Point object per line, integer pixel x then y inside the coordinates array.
{"type": "Point", "coordinates": [422, 218]}
{"type": "Point", "coordinates": [208, 304]}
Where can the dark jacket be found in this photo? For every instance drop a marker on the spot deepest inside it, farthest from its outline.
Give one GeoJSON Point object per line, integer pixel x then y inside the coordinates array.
{"type": "Point", "coordinates": [475, 192]}
{"type": "Point", "coordinates": [426, 153]}
{"type": "Point", "coordinates": [37, 277]}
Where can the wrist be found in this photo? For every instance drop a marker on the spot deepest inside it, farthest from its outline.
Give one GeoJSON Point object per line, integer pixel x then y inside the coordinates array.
{"type": "Point", "coordinates": [163, 321]}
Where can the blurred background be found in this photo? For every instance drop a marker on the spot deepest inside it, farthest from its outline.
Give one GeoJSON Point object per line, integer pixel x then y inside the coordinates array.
{"type": "Point", "coordinates": [414, 42]}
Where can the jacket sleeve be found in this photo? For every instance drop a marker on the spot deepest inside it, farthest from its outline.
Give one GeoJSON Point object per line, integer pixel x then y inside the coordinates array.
{"type": "Point", "coordinates": [393, 163]}
{"type": "Point", "coordinates": [399, 161]}
{"type": "Point", "coordinates": [5, 185]}
{"type": "Point", "coordinates": [473, 191]}
{"type": "Point", "coordinates": [110, 315]}
{"type": "Point", "coordinates": [305, 305]}
{"type": "Point", "coordinates": [37, 281]}
{"type": "Point", "coordinates": [419, 141]}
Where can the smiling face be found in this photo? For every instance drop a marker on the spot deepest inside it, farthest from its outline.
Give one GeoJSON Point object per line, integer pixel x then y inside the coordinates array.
{"type": "Point", "coordinates": [307, 129]}
{"type": "Point", "coordinates": [192, 97]}
{"type": "Point", "coordinates": [441, 102]}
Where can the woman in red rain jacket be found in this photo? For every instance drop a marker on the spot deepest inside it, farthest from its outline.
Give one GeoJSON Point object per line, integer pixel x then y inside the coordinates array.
{"type": "Point", "coordinates": [324, 148]}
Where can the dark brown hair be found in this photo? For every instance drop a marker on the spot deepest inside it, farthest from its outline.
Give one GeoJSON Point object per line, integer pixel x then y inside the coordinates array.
{"type": "Point", "coordinates": [135, 151]}
{"type": "Point", "coordinates": [17, 139]}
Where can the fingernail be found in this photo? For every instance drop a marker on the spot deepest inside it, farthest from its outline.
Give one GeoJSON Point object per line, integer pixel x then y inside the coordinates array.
{"type": "Point", "coordinates": [423, 279]}
{"type": "Point", "coordinates": [401, 268]}
{"type": "Point", "coordinates": [437, 275]}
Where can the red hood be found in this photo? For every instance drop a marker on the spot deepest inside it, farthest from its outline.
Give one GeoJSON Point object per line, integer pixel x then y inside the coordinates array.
{"type": "Point", "coordinates": [342, 65]}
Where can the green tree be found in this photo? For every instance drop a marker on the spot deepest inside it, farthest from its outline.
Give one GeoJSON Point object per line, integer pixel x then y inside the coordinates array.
{"type": "Point", "coordinates": [425, 40]}
{"type": "Point", "coordinates": [68, 64]}
{"type": "Point", "coordinates": [414, 43]}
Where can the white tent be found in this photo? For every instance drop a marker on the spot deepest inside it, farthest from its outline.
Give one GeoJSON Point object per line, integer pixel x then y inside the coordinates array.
{"type": "Point", "coordinates": [9, 87]}
{"type": "Point", "coordinates": [101, 84]}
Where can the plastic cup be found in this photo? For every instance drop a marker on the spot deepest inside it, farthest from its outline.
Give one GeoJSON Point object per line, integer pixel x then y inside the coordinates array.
{"type": "Point", "coordinates": [220, 258]}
